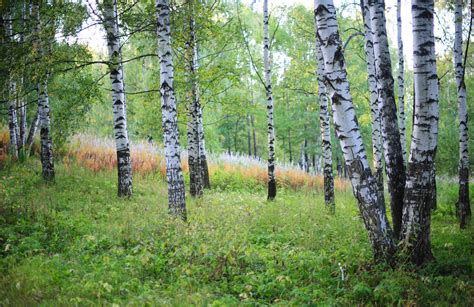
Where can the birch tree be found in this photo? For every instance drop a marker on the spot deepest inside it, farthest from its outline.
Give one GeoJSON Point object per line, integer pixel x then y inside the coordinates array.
{"type": "Point", "coordinates": [22, 105]}
{"type": "Point", "coordinates": [47, 158]}
{"type": "Point", "coordinates": [194, 154]}
{"type": "Point", "coordinates": [174, 174]}
{"type": "Point", "coordinates": [419, 187]}
{"type": "Point", "coordinates": [374, 98]}
{"type": "Point", "coordinates": [202, 144]}
{"type": "Point", "coordinates": [463, 205]}
{"type": "Point", "coordinates": [325, 126]}
{"type": "Point", "coordinates": [394, 165]}
{"type": "Point", "coordinates": [401, 83]}
{"type": "Point", "coordinates": [34, 9]}
{"type": "Point", "coordinates": [11, 93]}
{"type": "Point", "coordinates": [268, 88]}
{"type": "Point", "coordinates": [363, 183]}
{"type": "Point", "coordinates": [33, 128]}
{"type": "Point", "coordinates": [124, 163]}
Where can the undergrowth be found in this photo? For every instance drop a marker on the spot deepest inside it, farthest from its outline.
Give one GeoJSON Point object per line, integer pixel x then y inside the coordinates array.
{"type": "Point", "coordinates": [75, 242]}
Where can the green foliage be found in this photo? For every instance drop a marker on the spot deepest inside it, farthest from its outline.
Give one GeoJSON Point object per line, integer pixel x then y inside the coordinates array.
{"type": "Point", "coordinates": [71, 93]}
{"type": "Point", "coordinates": [74, 242]}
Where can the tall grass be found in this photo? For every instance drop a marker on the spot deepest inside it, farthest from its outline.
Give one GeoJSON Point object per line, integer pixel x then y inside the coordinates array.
{"type": "Point", "coordinates": [98, 154]}
{"type": "Point", "coordinates": [4, 143]}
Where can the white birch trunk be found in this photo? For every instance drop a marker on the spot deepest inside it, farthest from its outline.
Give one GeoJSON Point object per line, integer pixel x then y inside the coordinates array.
{"type": "Point", "coordinates": [47, 159]}
{"type": "Point", "coordinates": [419, 186]}
{"type": "Point", "coordinates": [374, 99]}
{"type": "Point", "coordinates": [11, 93]}
{"type": "Point", "coordinates": [401, 83]}
{"type": "Point", "coordinates": [174, 174]}
{"type": "Point", "coordinates": [201, 137]}
{"type": "Point", "coordinates": [124, 163]}
{"type": "Point", "coordinates": [12, 119]}
{"type": "Point", "coordinates": [268, 87]}
{"type": "Point", "coordinates": [324, 124]}
{"type": "Point", "coordinates": [32, 131]}
{"type": "Point", "coordinates": [45, 133]}
{"type": "Point", "coordinates": [394, 166]}
{"type": "Point", "coordinates": [194, 163]}
{"type": "Point", "coordinates": [22, 103]}
{"type": "Point", "coordinates": [463, 204]}
{"type": "Point", "coordinates": [363, 183]}
{"type": "Point", "coordinates": [23, 124]}
{"type": "Point", "coordinates": [202, 150]}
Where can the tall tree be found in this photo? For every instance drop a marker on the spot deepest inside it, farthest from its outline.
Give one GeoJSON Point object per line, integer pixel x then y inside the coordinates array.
{"type": "Point", "coordinates": [268, 88]}
{"type": "Point", "coordinates": [174, 174]}
{"type": "Point", "coordinates": [194, 106]}
{"type": "Point", "coordinates": [325, 126]}
{"type": "Point", "coordinates": [22, 105]}
{"type": "Point", "coordinates": [463, 204]}
{"type": "Point", "coordinates": [401, 83]}
{"type": "Point", "coordinates": [202, 144]}
{"type": "Point", "coordinates": [394, 165]}
{"type": "Point", "coordinates": [363, 183]}
{"type": "Point", "coordinates": [47, 158]}
{"type": "Point", "coordinates": [419, 186]}
{"type": "Point", "coordinates": [374, 98]}
{"type": "Point", "coordinates": [124, 162]}
{"type": "Point", "coordinates": [10, 93]}
{"type": "Point", "coordinates": [33, 128]}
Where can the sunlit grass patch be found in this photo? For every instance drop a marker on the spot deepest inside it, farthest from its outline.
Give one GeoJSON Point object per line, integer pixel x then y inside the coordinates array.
{"type": "Point", "coordinates": [226, 170]}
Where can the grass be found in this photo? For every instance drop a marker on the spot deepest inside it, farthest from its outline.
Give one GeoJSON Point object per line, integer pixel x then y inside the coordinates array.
{"type": "Point", "coordinates": [75, 242]}
{"type": "Point", "coordinates": [233, 172]}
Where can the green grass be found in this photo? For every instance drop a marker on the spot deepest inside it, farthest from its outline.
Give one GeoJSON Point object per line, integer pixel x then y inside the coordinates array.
{"type": "Point", "coordinates": [75, 242]}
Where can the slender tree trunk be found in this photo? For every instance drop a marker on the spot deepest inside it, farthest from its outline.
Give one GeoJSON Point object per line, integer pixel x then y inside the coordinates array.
{"type": "Point", "coordinates": [23, 123]}
{"type": "Point", "coordinates": [401, 83]}
{"type": "Point", "coordinates": [34, 11]}
{"type": "Point", "coordinates": [303, 163]}
{"type": "Point", "coordinates": [254, 133]}
{"type": "Point", "coordinates": [174, 174]}
{"type": "Point", "coordinates": [32, 131]}
{"type": "Point", "coordinates": [236, 134]}
{"type": "Point", "coordinates": [268, 86]}
{"type": "Point", "coordinates": [11, 94]}
{"type": "Point", "coordinates": [363, 183]}
{"type": "Point", "coordinates": [419, 187]}
{"type": "Point", "coordinates": [394, 165]}
{"type": "Point", "coordinates": [463, 207]}
{"type": "Point", "coordinates": [12, 119]}
{"type": "Point", "coordinates": [22, 104]}
{"type": "Point", "coordinates": [124, 163]}
{"type": "Point", "coordinates": [324, 124]}
{"type": "Point", "coordinates": [374, 100]}
{"type": "Point", "coordinates": [47, 158]}
{"type": "Point", "coordinates": [306, 157]}
{"type": "Point", "coordinates": [201, 137]}
{"type": "Point", "coordinates": [249, 138]}
{"type": "Point", "coordinates": [289, 146]}
{"type": "Point", "coordinates": [194, 163]}
{"type": "Point", "coordinates": [202, 151]}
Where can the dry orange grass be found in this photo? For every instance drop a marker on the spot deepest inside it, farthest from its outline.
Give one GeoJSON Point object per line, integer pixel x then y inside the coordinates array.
{"type": "Point", "coordinates": [105, 159]}
{"type": "Point", "coordinates": [4, 143]}
{"type": "Point", "coordinates": [100, 155]}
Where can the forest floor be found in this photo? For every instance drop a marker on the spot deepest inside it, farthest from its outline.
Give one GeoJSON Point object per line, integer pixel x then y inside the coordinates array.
{"type": "Point", "coordinates": [75, 242]}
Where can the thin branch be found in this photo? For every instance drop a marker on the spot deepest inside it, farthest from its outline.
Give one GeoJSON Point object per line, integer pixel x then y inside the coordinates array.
{"type": "Point", "coordinates": [350, 38]}
{"type": "Point", "coordinates": [249, 52]}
